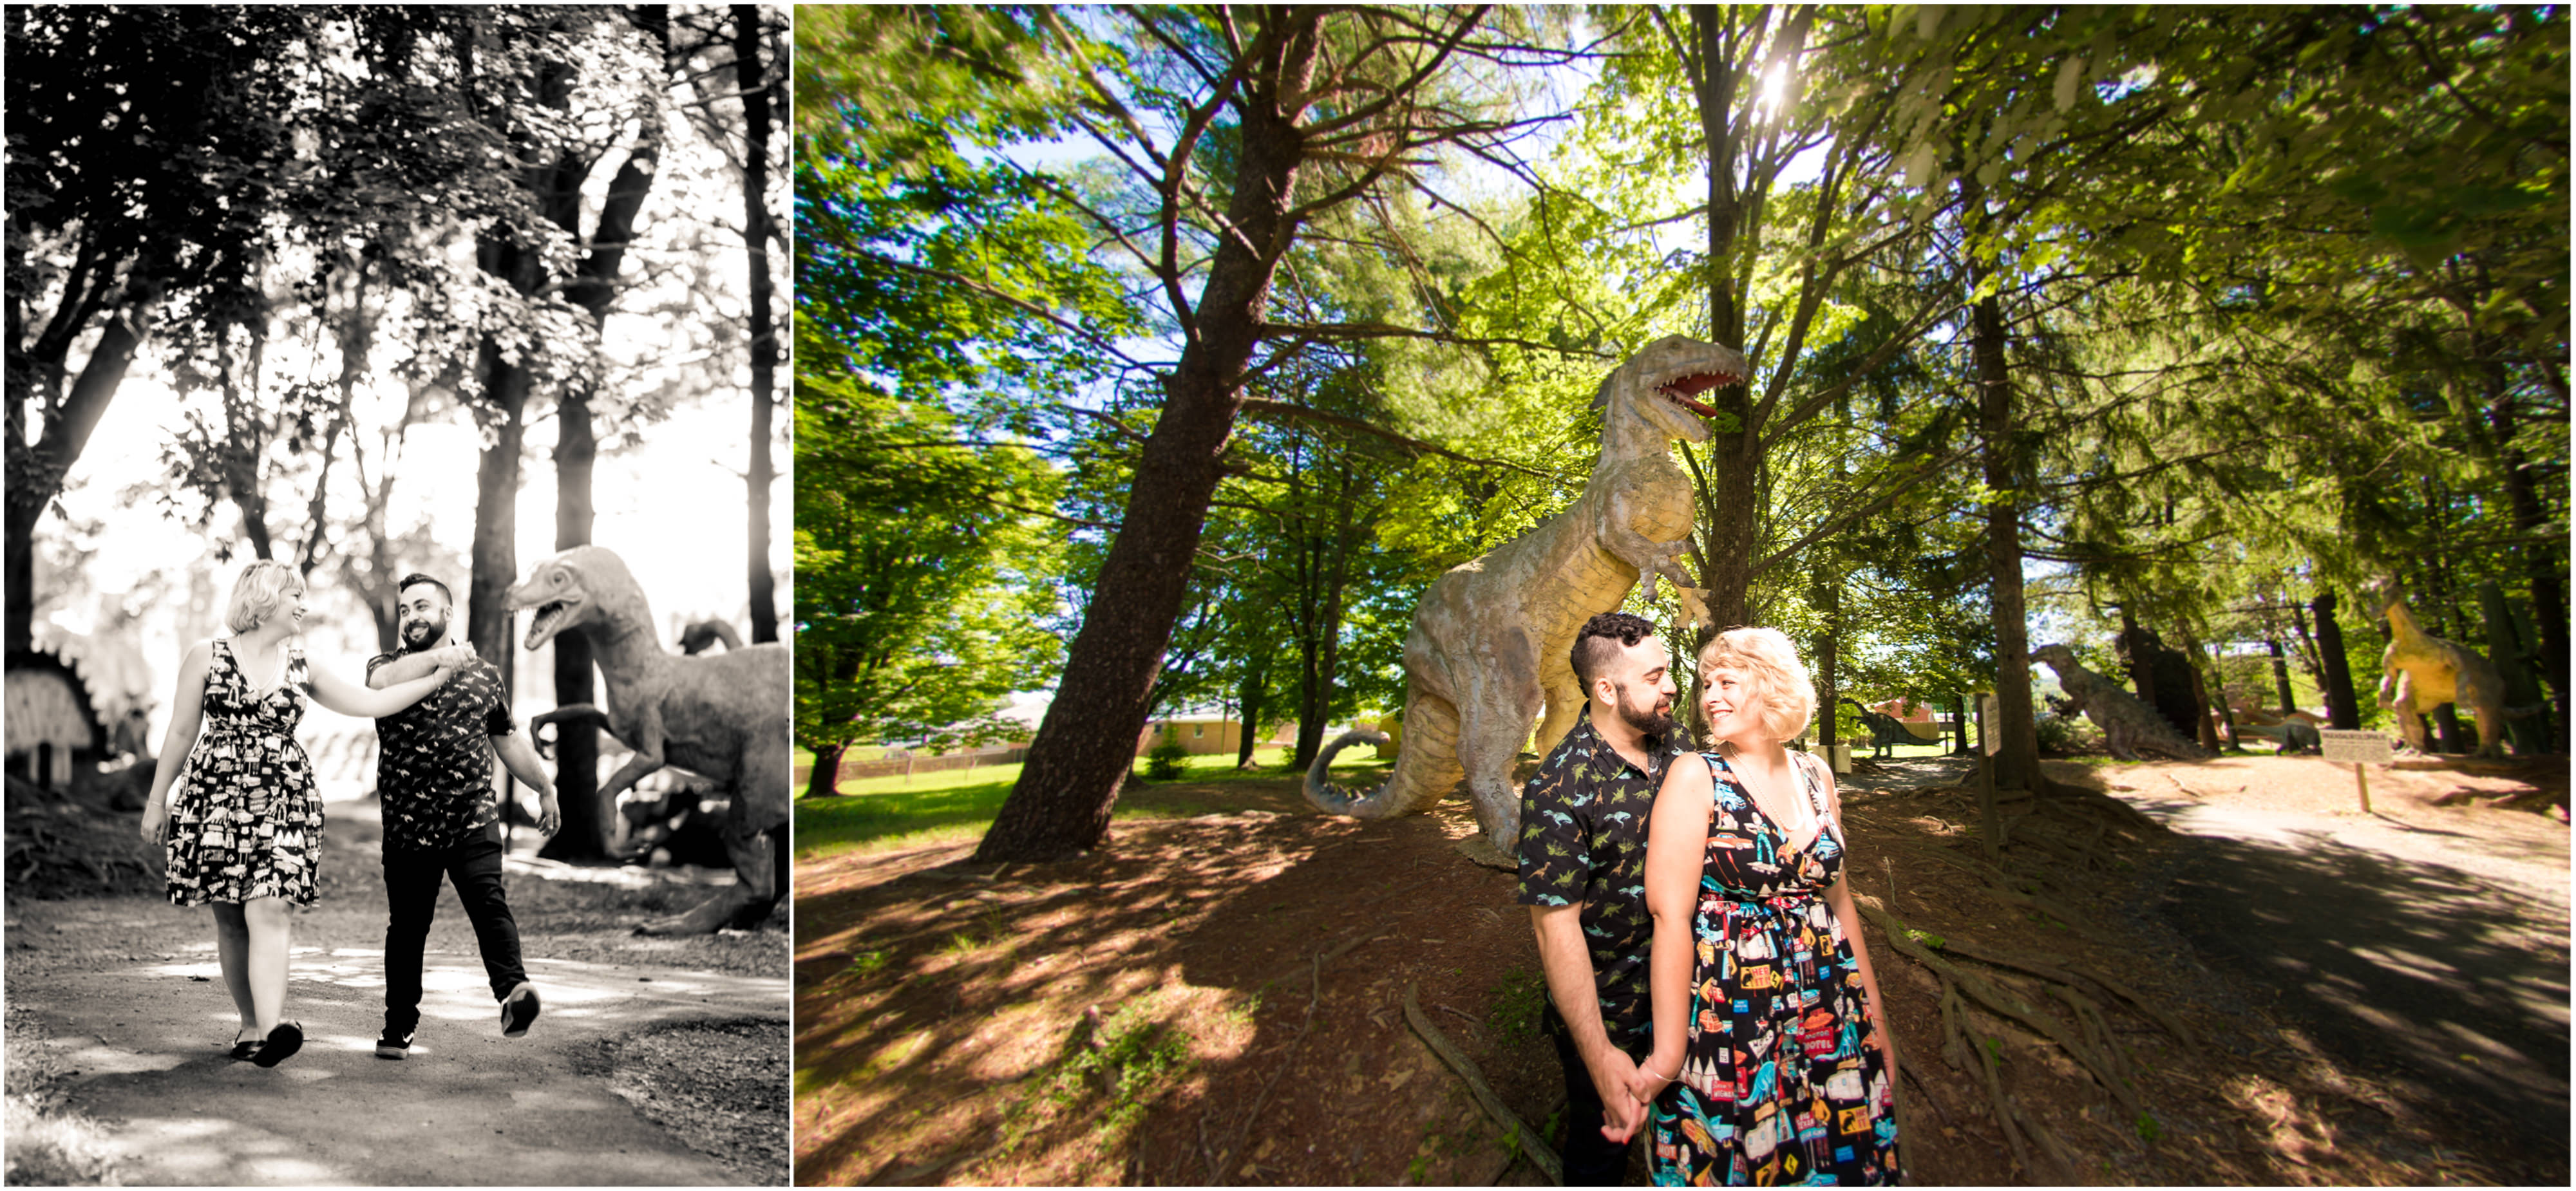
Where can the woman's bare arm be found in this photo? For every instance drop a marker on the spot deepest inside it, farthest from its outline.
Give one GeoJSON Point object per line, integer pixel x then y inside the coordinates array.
{"type": "Point", "coordinates": [339, 695]}
{"type": "Point", "coordinates": [187, 711]}
{"type": "Point", "coordinates": [1676, 850]}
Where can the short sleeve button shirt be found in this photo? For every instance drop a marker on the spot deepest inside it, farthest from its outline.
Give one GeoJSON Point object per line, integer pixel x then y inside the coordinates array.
{"type": "Point", "coordinates": [1583, 842]}
{"type": "Point", "coordinates": [434, 767]}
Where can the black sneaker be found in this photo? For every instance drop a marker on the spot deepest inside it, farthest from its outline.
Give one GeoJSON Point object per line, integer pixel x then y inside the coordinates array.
{"type": "Point", "coordinates": [519, 1010]}
{"type": "Point", "coordinates": [395, 1045]}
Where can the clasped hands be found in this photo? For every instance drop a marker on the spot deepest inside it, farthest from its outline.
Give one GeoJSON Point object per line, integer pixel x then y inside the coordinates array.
{"type": "Point", "coordinates": [1627, 1088]}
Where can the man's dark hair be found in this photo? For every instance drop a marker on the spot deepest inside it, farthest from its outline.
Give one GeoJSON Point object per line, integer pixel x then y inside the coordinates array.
{"type": "Point", "coordinates": [1592, 648]}
{"type": "Point", "coordinates": [415, 578]}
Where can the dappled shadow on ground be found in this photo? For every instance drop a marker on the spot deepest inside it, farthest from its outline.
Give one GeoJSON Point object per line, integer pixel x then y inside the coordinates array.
{"type": "Point", "coordinates": [1218, 999]}
{"type": "Point", "coordinates": [2445, 982]}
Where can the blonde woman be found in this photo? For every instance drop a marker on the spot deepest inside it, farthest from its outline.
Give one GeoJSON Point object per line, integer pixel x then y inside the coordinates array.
{"type": "Point", "coordinates": [1772, 1062]}
{"type": "Point", "coordinates": [243, 827]}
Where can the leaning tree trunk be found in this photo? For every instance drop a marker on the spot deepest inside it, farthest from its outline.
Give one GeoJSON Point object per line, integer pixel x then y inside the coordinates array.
{"type": "Point", "coordinates": [826, 778]}
{"type": "Point", "coordinates": [36, 472]}
{"type": "Point", "coordinates": [1083, 748]}
{"type": "Point", "coordinates": [2281, 675]}
{"type": "Point", "coordinates": [2017, 762]}
{"type": "Point", "coordinates": [2343, 706]}
{"type": "Point", "coordinates": [751, 80]}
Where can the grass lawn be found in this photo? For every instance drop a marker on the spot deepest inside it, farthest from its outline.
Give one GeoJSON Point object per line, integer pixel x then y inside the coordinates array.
{"type": "Point", "coordinates": [956, 805]}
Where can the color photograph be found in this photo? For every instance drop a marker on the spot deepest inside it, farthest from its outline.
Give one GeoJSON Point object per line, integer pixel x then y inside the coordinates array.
{"type": "Point", "coordinates": [1522, 595]}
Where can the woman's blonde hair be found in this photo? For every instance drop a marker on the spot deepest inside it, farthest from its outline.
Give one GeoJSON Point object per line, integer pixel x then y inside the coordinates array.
{"type": "Point", "coordinates": [255, 593]}
{"type": "Point", "coordinates": [1777, 680]}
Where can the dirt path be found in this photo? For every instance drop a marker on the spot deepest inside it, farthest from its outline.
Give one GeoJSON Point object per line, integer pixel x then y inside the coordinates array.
{"type": "Point", "coordinates": [1219, 998]}
{"type": "Point", "coordinates": [2426, 944]}
{"type": "Point", "coordinates": [129, 994]}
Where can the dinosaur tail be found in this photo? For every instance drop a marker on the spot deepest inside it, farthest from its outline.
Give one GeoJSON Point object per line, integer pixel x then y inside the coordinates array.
{"type": "Point", "coordinates": [1425, 768]}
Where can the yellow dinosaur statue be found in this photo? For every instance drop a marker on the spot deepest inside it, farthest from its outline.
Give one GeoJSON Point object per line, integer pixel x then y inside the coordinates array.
{"type": "Point", "coordinates": [2422, 672]}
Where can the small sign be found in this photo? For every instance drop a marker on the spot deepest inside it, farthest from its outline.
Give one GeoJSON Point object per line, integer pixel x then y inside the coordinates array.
{"type": "Point", "coordinates": [1990, 717]}
{"type": "Point", "coordinates": [2350, 747]}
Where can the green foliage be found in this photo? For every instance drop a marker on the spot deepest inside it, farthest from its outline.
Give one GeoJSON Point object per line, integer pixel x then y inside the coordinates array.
{"type": "Point", "coordinates": [1520, 998]}
{"type": "Point", "coordinates": [1169, 758]}
{"type": "Point", "coordinates": [1122, 1063]}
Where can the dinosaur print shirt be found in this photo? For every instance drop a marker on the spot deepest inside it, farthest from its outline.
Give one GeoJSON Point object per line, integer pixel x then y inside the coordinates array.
{"type": "Point", "coordinates": [434, 767]}
{"type": "Point", "coordinates": [1583, 842]}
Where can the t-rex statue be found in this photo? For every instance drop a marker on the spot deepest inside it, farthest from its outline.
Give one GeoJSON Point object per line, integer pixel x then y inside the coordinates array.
{"type": "Point", "coordinates": [2421, 672]}
{"type": "Point", "coordinates": [723, 716]}
{"type": "Point", "coordinates": [1885, 731]}
{"type": "Point", "coordinates": [1491, 638]}
{"type": "Point", "coordinates": [2129, 726]}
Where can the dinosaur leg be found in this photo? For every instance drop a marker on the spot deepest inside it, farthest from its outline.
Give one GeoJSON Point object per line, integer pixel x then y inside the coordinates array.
{"type": "Point", "coordinates": [2410, 722]}
{"type": "Point", "coordinates": [1426, 766]}
{"type": "Point", "coordinates": [1494, 723]}
{"type": "Point", "coordinates": [755, 827]}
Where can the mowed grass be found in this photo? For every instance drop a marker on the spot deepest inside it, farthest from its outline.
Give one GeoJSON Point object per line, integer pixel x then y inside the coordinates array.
{"type": "Point", "coordinates": [957, 805]}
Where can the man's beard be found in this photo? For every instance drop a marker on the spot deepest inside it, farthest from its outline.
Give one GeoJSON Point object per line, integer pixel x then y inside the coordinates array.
{"type": "Point", "coordinates": [418, 635]}
{"type": "Point", "coordinates": [1646, 720]}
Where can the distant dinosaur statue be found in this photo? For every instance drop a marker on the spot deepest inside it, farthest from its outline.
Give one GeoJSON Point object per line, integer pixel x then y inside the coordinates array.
{"type": "Point", "coordinates": [2129, 727]}
{"type": "Point", "coordinates": [1492, 637]}
{"type": "Point", "coordinates": [1885, 731]}
{"type": "Point", "coordinates": [2422, 672]}
{"type": "Point", "coordinates": [722, 716]}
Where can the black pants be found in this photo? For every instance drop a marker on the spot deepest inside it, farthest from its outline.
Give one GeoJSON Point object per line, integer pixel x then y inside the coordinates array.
{"type": "Point", "coordinates": [411, 890]}
{"type": "Point", "coordinates": [1591, 1160]}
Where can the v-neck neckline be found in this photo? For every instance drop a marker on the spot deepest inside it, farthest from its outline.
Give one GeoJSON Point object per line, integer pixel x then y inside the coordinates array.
{"type": "Point", "coordinates": [285, 663]}
{"type": "Point", "coordinates": [1797, 785]}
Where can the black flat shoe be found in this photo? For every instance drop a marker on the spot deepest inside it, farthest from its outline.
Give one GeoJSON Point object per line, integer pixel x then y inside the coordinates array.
{"type": "Point", "coordinates": [281, 1045]}
{"type": "Point", "coordinates": [243, 1048]}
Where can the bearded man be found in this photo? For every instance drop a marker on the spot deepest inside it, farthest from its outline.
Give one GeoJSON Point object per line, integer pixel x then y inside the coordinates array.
{"type": "Point", "coordinates": [443, 812]}
{"type": "Point", "coordinates": [1583, 876]}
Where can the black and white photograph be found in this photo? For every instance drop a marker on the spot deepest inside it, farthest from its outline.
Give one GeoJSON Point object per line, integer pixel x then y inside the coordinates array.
{"type": "Point", "coordinates": [398, 724]}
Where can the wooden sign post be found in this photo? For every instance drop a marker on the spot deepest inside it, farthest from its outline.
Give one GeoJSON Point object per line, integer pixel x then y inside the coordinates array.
{"type": "Point", "coordinates": [1989, 742]}
{"type": "Point", "coordinates": [2359, 749]}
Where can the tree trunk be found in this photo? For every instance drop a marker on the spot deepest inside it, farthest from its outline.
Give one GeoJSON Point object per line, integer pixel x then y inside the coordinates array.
{"type": "Point", "coordinates": [751, 80]}
{"type": "Point", "coordinates": [1829, 604]}
{"type": "Point", "coordinates": [2343, 708]}
{"type": "Point", "coordinates": [1959, 726]}
{"type": "Point", "coordinates": [1083, 749]}
{"type": "Point", "coordinates": [826, 780]}
{"type": "Point", "coordinates": [1252, 684]}
{"type": "Point", "coordinates": [2281, 675]}
{"type": "Point", "coordinates": [36, 473]}
{"type": "Point", "coordinates": [2017, 762]}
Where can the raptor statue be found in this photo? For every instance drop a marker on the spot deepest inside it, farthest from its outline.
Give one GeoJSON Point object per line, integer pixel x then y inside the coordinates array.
{"type": "Point", "coordinates": [721, 715]}
{"type": "Point", "coordinates": [2130, 727]}
{"type": "Point", "coordinates": [1491, 638]}
{"type": "Point", "coordinates": [2422, 672]}
{"type": "Point", "coordinates": [1885, 731]}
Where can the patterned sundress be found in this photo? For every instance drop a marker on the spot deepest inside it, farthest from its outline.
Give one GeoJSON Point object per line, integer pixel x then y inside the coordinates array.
{"type": "Point", "coordinates": [246, 819]}
{"type": "Point", "coordinates": [1782, 1082]}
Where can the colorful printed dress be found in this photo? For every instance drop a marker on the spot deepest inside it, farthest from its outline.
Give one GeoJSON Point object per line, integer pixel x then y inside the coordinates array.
{"type": "Point", "coordinates": [1783, 1082]}
{"type": "Point", "coordinates": [246, 820]}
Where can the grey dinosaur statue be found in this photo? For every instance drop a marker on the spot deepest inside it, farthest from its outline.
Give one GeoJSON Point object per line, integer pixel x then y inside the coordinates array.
{"type": "Point", "coordinates": [722, 716]}
{"type": "Point", "coordinates": [1885, 731]}
{"type": "Point", "coordinates": [1491, 638]}
{"type": "Point", "coordinates": [704, 635]}
{"type": "Point", "coordinates": [2129, 726]}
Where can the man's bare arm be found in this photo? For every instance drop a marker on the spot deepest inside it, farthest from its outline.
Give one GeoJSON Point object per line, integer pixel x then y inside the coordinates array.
{"type": "Point", "coordinates": [1567, 960]}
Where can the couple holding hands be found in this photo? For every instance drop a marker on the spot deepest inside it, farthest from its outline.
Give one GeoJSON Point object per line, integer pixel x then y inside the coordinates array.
{"type": "Point", "coordinates": [1705, 968]}
{"type": "Point", "coordinates": [234, 805]}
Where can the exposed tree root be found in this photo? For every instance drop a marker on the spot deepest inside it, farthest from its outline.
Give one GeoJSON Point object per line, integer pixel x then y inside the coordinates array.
{"type": "Point", "coordinates": [1531, 1145]}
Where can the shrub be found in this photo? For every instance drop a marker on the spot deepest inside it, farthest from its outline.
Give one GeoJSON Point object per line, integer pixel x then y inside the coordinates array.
{"type": "Point", "coordinates": [1169, 758]}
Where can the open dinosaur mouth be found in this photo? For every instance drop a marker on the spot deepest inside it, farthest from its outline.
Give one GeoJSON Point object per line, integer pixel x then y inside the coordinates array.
{"type": "Point", "coordinates": [1679, 390]}
{"type": "Point", "coordinates": [548, 616]}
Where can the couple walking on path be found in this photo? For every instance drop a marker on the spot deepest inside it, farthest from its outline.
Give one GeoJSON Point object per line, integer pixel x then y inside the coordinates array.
{"type": "Point", "coordinates": [1707, 978]}
{"type": "Point", "coordinates": [235, 807]}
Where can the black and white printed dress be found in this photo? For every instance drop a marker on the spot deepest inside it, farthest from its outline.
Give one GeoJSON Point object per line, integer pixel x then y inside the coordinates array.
{"type": "Point", "coordinates": [246, 819]}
